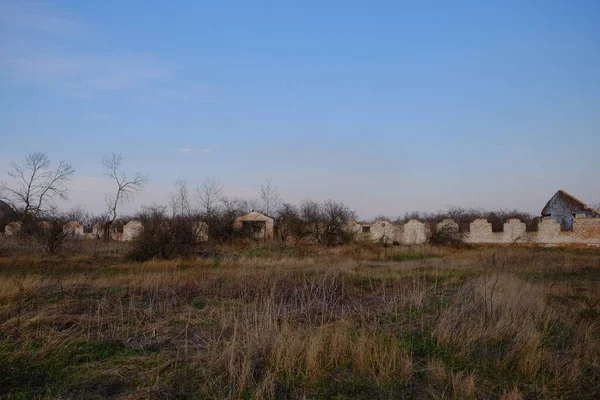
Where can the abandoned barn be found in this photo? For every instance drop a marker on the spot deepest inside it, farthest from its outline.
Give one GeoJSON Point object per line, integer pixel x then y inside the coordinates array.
{"type": "Point", "coordinates": [563, 208]}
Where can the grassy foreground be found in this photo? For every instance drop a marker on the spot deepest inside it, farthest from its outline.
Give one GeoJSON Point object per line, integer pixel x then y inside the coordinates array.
{"type": "Point", "coordinates": [360, 322]}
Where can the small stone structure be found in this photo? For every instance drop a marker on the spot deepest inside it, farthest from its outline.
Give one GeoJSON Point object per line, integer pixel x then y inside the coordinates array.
{"type": "Point", "coordinates": [201, 231]}
{"type": "Point", "coordinates": [586, 231]}
{"type": "Point", "coordinates": [382, 231]}
{"type": "Point", "coordinates": [386, 232]}
{"type": "Point", "coordinates": [74, 229]}
{"type": "Point", "coordinates": [257, 226]}
{"type": "Point", "coordinates": [415, 232]}
{"type": "Point", "coordinates": [131, 230]}
{"type": "Point", "coordinates": [13, 228]}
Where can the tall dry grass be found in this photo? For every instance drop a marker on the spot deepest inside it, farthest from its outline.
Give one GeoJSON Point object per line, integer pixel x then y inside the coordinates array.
{"type": "Point", "coordinates": [484, 323]}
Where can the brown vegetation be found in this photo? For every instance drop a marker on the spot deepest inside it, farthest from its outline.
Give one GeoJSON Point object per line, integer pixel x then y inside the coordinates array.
{"type": "Point", "coordinates": [360, 321]}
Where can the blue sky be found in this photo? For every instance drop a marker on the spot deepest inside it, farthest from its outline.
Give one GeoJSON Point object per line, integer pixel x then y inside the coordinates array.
{"type": "Point", "coordinates": [388, 106]}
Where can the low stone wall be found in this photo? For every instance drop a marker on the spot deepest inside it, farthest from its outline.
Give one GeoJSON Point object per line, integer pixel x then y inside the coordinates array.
{"type": "Point", "coordinates": [586, 231]}
{"type": "Point", "coordinates": [75, 230]}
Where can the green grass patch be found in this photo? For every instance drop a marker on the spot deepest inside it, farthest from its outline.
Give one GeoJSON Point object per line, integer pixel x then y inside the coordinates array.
{"type": "Point", "coordinates": [566, 274]}
{"type": "Point", "coordinates": [28, 370]}
{"type": "Point", "coordinates": [411, 256]}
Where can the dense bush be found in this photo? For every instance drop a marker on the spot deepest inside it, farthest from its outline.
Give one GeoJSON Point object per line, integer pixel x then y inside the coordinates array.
{"type": "Point", "coordinates": [447, 235]}
{"type": "Point", "coordinates": [164, 237]}
{"type": "Point", "coordinates": [322, 223]}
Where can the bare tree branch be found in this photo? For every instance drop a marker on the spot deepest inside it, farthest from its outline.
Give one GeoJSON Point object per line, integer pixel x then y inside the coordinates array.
{"type": "Point", "coordinates": [37, 185]}
{"type": "Point", "coordinates": [269, 196]}
{"type": "Point", "coordinates": [126, 188]}
{"type": "Point", "coordinates": [180, 200]}
{"type": "Point", "coordinates": [209, 194]}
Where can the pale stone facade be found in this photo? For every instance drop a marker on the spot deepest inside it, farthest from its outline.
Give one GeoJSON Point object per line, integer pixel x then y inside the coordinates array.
{"type": "Point", "coordinates": [131, 230]}
{"type": "Point", "coordinates": [201, 230]}
{"type": "Point", "coordinates": [257, 226]}
{"type": "Point", "coordinates": [586, 231]}
{"type": "Point", "coordinates": [74, 229]}
{"type": "Point", "coordinates": [386, 232]}
{"type": "Point", "coordinates": [13, 229]}
{"type": "Point", "coordinates": [415, 232]}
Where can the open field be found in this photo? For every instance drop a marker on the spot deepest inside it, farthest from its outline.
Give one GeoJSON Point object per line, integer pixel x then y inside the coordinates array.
{"type": "Point", "coordinates": [360, 322]}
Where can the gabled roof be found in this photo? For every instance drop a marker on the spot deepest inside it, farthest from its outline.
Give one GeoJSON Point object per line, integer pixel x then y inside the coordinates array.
{"type": "Point", "coordinates": [255, 216]}
{"type": "Point", "coordinates": [574, 204]}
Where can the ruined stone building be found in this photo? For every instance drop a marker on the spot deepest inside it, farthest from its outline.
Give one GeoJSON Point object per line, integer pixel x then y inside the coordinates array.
{"type": "Point", "coordinates": [563, 208]}
{"type": "Point", "coordinates": [255, 225]}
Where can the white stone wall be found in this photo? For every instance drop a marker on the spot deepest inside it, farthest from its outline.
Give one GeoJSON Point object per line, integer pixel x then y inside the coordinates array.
{"type": "Point", "coordinates": [131, 230]}
{"type": "Point", "coordinates": [74, 229]}
{"type": "Point", "coordinates": [514, 231]}
{"type": "Point", "coordinates": [586, 231]}
{"type": "Point", "coordinates": [415, 232]}
{"type": "Point", "coordinates": [13, 229]}
{"type": "Point", "coordinates": [386, 232]}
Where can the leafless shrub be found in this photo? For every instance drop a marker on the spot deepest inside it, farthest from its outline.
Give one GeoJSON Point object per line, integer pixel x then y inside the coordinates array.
{"type": "Point", "coordinates": [291, 225]}
{"type": "Point", "coordinates": [322, 223]}
{"type": "Point", "coordinates": [163, 237]}
{"type": "Point", "coordinates": [447, 235]}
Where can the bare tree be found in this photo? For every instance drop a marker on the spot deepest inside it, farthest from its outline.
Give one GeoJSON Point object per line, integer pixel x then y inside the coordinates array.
{"type": "Point", "coordinates": [209, 194]}
{"type": "Point", "coordinates": [37, 185]}
{"type": "Point", "coordinates": [126, 188]}
{"type": "Point", "coordinates": [269, 196]}
{"type": "Point", "coordinates": [335, 215]}
{"type": "Point", "coordinates": [180, 200]}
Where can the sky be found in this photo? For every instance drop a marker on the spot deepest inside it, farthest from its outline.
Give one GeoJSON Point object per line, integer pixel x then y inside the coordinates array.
{"type": "Point", "coordinates": [388, 106]}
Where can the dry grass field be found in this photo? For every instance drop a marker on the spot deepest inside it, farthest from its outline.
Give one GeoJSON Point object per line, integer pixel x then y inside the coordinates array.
{"type": "Point", "coordinates": [277, 322]}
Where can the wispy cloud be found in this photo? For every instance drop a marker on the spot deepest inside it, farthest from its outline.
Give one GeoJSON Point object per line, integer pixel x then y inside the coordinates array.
{"type": "Point", "coordinates": [30, 56]}
{"type": "Point", "coordinates": [25, 17]}
{"type": "Point", "coordinates": [87, 74]}
{"type": "Point", "coordinates": [186, 150]}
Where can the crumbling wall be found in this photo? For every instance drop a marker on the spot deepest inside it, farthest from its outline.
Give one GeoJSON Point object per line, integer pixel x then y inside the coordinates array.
{"type": "Point", "coordinates": [386, 232]}
{"type": "Point", "coordinates": [586, 231]}
{"type": "Point", "coordinates": [13, 229]}
{"type": "Point", "coordinates": [549, 231]}
{"type": "Point", "coordinates": [514, 231]}
{"type": "Point", "coordinates": [131, 230]}
{"type": "Point", "coordinates": [74, 229]}
{"type": "Point", "coordinates": [415, 232]}
{"type": "Point", "coordinates": [480, 231]}
{"type": "Point", "coordinates": [382, 230]}
{"type": "Point", "coordinates": [201, 230]}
